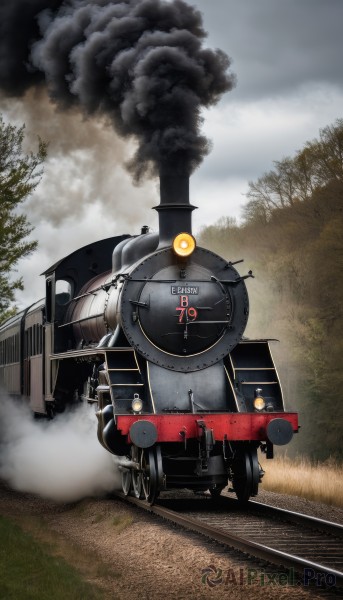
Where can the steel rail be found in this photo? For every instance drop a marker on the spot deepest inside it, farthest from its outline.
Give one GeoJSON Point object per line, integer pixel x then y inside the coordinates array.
{"type": "Point", "coordinates": [301, 519]}
{"type": "Point", "coordinates": [261, 551]}
{"type": "Point", "coordinates": [328, 527]}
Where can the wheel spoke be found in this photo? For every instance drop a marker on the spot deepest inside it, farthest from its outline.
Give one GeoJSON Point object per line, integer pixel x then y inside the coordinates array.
{"type": "Point", "coordinates": [126, 481]}
{"type": "Point", "coordinates": [137, 476]}
{"type": "Point", "coordinates": [149, 472]}
{"type": "Point", "coordinates": [137, 484]}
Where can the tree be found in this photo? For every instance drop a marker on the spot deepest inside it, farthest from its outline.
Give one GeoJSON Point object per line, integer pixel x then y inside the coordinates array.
{"type": "Point", "coordinates": [20, 174]}
{"type": "Point", "coordinates": [295, 180]}
{"type": "Point", "coordinates": [291, 238]}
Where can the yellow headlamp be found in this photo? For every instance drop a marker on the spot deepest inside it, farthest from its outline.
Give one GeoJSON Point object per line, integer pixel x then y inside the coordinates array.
{"type": "Point", "coordinates": [136, 404]}
{"type": "Point", "coordinates": [184, 244]}
{"type": "Point", "coordinates": [259, 403]}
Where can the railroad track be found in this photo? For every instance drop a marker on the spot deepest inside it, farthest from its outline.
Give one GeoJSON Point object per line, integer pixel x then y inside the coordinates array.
{"type": "Point", "coordinates": [309, 546]}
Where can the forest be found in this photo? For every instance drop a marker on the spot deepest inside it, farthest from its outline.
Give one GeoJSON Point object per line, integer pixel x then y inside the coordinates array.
{"type": "Point", "coordinates": [291, 238]}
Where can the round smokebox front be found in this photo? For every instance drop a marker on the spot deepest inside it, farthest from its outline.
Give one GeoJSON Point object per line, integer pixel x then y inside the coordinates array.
{"type": "Point", "coordinates": [184, 316]}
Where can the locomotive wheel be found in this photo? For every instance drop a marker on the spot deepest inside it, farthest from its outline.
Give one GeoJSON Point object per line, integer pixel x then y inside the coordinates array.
{"type": "Point", "coordinates": [245, 474]}
{"type": "Point", "coordinates": [149, 472]}
{"type": "Point", "coordinates": [137, 476]}
{"type": "Point", "coordinates": [126, 479]}
{"type": "Point", "coordinates": [159, 467]}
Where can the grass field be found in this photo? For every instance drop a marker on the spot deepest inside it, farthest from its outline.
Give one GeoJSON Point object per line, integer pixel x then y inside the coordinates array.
{"type": "Point", "coordinates": [28, 570]}
{"type": "Point", "coordinates": [321, 482]}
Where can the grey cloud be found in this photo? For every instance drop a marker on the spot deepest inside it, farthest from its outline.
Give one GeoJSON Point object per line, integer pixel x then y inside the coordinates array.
{"type": "Point", "coordinates": [277, 45]}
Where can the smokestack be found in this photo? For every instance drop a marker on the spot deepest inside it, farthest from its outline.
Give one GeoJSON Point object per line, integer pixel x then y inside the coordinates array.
{"type": "Point", "coordinates": [174, 210]}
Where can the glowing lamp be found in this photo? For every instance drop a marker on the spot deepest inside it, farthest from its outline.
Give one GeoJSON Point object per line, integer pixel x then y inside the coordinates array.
{"type": "Point", "coordinates": [137, 404]}
{"type": "Point", "coordinates": [259, 401]}
{"type": "Point", "coordinates": [184, 244]}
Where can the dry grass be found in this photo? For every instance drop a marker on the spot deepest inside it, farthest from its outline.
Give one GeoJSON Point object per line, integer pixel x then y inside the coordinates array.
{"type": "Point", "coordinates": [121, 522]}
{"type": "Point", "coordinates": [321, 482]}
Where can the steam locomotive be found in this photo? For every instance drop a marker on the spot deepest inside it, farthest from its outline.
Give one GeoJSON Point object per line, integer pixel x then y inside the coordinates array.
{"type": "Point", "coordinates": [150, 328]}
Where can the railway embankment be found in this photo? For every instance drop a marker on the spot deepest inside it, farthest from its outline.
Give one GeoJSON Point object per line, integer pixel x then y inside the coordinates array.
{"type": "Point", "coordinates": [124, 553]}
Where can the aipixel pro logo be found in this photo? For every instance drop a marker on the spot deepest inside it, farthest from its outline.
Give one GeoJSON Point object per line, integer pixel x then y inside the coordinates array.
{"type": "Point", "coordinates": [213, 576]}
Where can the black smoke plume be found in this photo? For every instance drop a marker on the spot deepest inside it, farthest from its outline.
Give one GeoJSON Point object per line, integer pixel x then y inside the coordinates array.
{"type": "Point", "coordinates": [141, 63]}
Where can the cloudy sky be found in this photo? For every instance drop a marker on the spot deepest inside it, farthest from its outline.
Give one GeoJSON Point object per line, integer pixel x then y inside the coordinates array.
{"type": "Point", "coordinates": [287, 56]}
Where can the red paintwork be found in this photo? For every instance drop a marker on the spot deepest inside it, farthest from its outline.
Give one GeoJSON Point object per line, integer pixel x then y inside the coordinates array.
{"type": "Point", "coordinates": [235, 426]}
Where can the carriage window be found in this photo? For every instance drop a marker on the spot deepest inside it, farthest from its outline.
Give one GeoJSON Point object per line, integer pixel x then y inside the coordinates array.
{"type": "Point", "coordinates": [48, 300]}
{"type": "Point", "coordinates": [40, 339]}
{"type": "Point", "coordinates": [63, 292]}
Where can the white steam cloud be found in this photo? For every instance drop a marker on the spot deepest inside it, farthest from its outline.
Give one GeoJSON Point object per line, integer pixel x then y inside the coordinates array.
{"type": "Point", "coordinates": [61, 459]}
